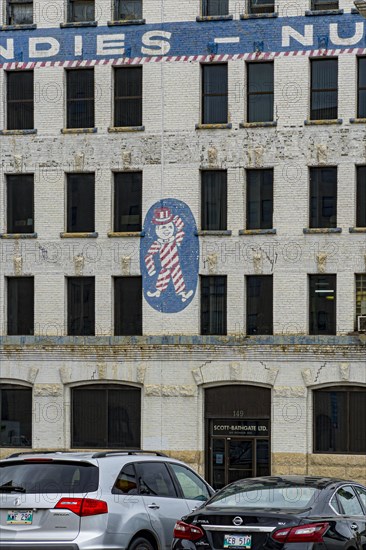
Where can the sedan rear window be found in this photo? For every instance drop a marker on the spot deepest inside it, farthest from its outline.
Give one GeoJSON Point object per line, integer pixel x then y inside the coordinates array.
{"type": "Point", "coordinates": [264, 495]}
{"type": "Point", "coordinates": [48, 477]}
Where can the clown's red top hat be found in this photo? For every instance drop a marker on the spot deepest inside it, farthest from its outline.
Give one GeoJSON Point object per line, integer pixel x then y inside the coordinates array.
{"type": "Point", "coordinates": [162, 216]}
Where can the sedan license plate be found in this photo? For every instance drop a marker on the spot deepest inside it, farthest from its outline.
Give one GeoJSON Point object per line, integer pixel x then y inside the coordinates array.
{"type": "Point", "coordinates": [237, 541]}
{"type": "Point", "coordinates": [19, 517]}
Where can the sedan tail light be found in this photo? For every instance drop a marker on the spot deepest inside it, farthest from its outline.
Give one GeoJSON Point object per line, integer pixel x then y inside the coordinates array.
{"type": "Point", "coordinates": [83, 506]}
{"type": "Point", "coordinates": [311, 532]}
{"type": "Point", "coordinates": [186, 531]}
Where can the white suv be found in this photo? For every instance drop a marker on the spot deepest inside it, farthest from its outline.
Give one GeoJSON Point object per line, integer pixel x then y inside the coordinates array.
{"type": "Point", "coordinates": [95, 501]}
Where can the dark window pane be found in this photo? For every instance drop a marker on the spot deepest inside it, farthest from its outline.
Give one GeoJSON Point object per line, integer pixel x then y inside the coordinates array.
{"type": "Point", "coordinates": [213, 305]}
{"type": "Point", "coordinates": [80, 203]}
{"type": "Point", "coordinates": [361, 107]}
{"type": "Point", "coordinates": [20, 207]}
{"type": "Point", "coordinates": [360, 297]}
{"type": "Point", "coordinates": [20, 306]}
{"type": "Point", "coordinates": [80, 98]}
{"type": "Point", "coordinates": [127, 306]}
{"type": "Point", "coordinates": [324, 89]}
{"type": "Point", "coordinates": [126, 483]}
{"type": "Point", "coordinates": [323, 197]}
{"type": "Point", "coordinates": [106, 416]}
{"type": "Point", "coordinates": [16, 416]}
{"type": "Point", "coordinates": [214, 199]}
{"type": "Point", "coordinates": [20, 13]}
{"type": "Point", "coordinates": [81, 306]}
{"type": "Point", "coordinates": [127, 201]}
{"type": "Point", "coordinates": [322, 304]}
{"type": "Point", "coordinates": [81, 10]}
{"type": "Point", "coordinates": [260, 92]}
{"type": "Point", "coordinates": [214, 94]}
{"type": "Point", "coordinates": [129, 9]}
{"type": "Point", "coordinates": [260, 6]}
{"type": "Point", "coordinates": [20, 100]}
{"type": "Point", "coordinates": [361, 197]}
{"type": "Point", "coordinates": [215, 7]}
{"type": "Point", "coordinates": [260, 304]}
{"type": "Point", "coordinates": [259, 199]}
{"type": "Point", "coordinates": [155, 480]}
{"type": "Point", "coordinates": [128, 97]}
{"type": "Point", "coordinates": [324, 5]}
{"type": "Point", "coordinates": [357, 422]}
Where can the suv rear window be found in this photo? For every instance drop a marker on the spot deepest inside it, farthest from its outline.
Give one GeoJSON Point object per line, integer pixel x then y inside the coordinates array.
{"type": "Point", "coordinates": [48, 477]}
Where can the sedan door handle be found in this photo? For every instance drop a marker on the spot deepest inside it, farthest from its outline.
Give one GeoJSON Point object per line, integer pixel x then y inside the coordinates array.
{"type": "Point", "coordinates": [354, 526]}
{"type": "Point", "coordinates": [153, 506]}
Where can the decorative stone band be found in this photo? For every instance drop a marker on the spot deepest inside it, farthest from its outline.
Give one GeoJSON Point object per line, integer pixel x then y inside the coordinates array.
{"type": "Point", "coordinates": [257, 56]}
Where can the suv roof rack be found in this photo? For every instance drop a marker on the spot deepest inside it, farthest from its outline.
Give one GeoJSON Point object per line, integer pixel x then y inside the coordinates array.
{"type": "Point", "coordinates": [103, 454]}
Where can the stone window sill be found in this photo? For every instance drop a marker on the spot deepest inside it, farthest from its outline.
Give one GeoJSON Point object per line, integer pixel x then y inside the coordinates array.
{"type": "Point", "coordinates": [224, 126]}
{"type": "Point", "coordinates": [259, 15]}
{"type": "Point", "coordinates": [116, 129]}
{"type": "Point", "coordinates": [118, 234]}
{"type": "Point", "coordinates": [213, 233]}
{"type": "Point", "coordinates": [258, 231]}
{"type": "Point", "coordinates": [354, 11]}
{"type": "Point", "coordinates": [357, 120]}
{"type": "Point", "coordinates": [123, 22]}
{"type": "Point", "coordinates": [72, 25]}
{"type": "Point", "coordinates": [79, 130]}
{"type": "Point", "coordinates": [321, 230]}
{"type": "Point", "coordinates": [205, 18]}
{"type": "Point", "coordinates": [18, 235]}
{"type": "Point", "coordinates": [258, 124]}
{"type": "Point", "coordinates": [311, 13]}
{"type": "Point", "coordinates": [81, 235]}
{"type": "Point", "coordinates": [324, 122]}
{"type": "Point", "coordinates": [28, 27]}
{"type": "Point", "coordinates": [17, 132]}
{"type": "Point", "coordinates": [357, 229]}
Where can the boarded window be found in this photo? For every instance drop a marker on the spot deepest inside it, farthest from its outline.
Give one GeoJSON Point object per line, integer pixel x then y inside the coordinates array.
{"type": "Point", "coordinates": [260, 92]}
{"type": "Point", "coordinates": [20, 12]}
{"type": "Point", "coordinates": [214, 199]}
{"type": "Point", "coordinates": [128, 9]}
{"type": "Point", "coordinates": [214, 94]}
{"type": "Point", "coordinates": [15, 416]}
{"type": "Point", "coordinates": [128, 96]}
{"type": "Point", "coordinates": [213, 304]}
{"type": "Point", "coordinates": [260, 6]}
{"type": "Point", "coordinates": [81, 306]}
{"type": "Point", "coordinates": [259, 199]}
{"type": "Point", "coordinates": [322, 304]}
{"type": "Point", "coordinates": [323, 197]}
{"type": "Point", "coordinates": [20, 204]}
{"type": "Point", "coordinates": [106, 417]}
{"type": "Point", "coordinates": [127, 306]}
{"type": "Point", "coordinates": [80, 203]}
{"type": "Point", "coordinates": [20, 306]}
{"type": "Point", "coordinates": [361, 197]}
{"type": "Point", "coordinates": [260, 304]}
{"type": "Point", "coordinates": [361, 104]}
{"type": "Point", "coordinates": [81, 10]}
{"type": "Point", "coordinates": [20, 100]}
{"type": "Point", "coordinates": [127, 201]}
{"type": "Point", "coordinates": [215, 7]}
{"type": "Point", "coordinates": [324, 89]}
{"type": "Point", "coordinates": [80, 98]}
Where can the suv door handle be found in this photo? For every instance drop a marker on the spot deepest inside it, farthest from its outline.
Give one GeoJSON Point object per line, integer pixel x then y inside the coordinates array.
{"type": "Point", "coordinates": [354, 526]}
{"type": "Point", "coordinates": [153, 506]}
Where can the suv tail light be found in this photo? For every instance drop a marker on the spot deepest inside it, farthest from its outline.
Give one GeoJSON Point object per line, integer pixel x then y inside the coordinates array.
{"type": "Point", "coordinates": [186, 531]}
{"type": "Point", "coordinates": [311, 532]}
{"type": "Point", "coordinates": [83, 506]}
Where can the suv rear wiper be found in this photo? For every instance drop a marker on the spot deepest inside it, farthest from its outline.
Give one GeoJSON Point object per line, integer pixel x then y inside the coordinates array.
{"type": "Point", "coordinates": [15, 488]}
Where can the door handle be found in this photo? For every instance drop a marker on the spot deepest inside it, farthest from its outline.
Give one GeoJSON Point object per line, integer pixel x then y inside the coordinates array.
{"type": "Point", "coordinates": [153, 506]}
{"type": "Point", "coordinates": [354, 526]}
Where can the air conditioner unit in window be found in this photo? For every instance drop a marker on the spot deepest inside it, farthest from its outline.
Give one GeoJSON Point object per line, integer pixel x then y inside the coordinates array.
{"type": "Point", "coordinates": [361, 323]}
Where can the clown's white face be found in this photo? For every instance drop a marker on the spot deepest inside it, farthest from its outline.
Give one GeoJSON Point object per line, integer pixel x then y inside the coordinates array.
{"type": "Point", "coordinates": [165, 231]}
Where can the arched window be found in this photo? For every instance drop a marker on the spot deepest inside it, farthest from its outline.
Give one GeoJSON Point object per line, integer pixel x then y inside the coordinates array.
{"type": "Point", "coordinates": [15, 416]}
{"type": "Point", "coordinates": [340, 420]}
{"type": "Point", "coordinates": [106, 416]}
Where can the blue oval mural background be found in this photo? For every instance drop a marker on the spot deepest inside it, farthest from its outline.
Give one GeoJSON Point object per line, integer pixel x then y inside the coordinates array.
{"type": "Point", "coordinates": [174, 297]}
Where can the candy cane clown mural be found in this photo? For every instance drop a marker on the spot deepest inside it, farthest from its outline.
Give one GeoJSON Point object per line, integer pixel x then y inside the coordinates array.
{"type": "Point", "coordinates": [169, 256]}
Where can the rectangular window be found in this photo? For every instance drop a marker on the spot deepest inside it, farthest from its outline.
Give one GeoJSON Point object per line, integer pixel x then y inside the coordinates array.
{"type": "Point", "coordinates": [80, 306]}
{"type": "Point", "coordinates": [20, 306]}
{"type": "Point", "coordinates": [214, 94]}
{"type": "Point", "coordinates": [215, 7]}
{"type": "Point", "coordinates": [361, 103]}
{"type": "Point", "coordinates": [19, 12]}
{"type": "Point", "coordinates": [259, 304]}
{"type": "Point", "coordinates": [15, 416]}
{"type": "Point", "coordinates": [260, 199]}
{"type": "Point", "coordinates": [213, 304]}
{"type": "Point", "coordinates": [260, 6]}
{"type": "Point", "coordinates": [127, 306]}
{"type": "Point", "coordinates": [20, 100]}
{"type": "Point", "coordinates": [360, 297]}
{"type": "Point", "coordinates": [323, 197]}
{"type": "Point", "coordinates": [324, 89]}
{"type": "Point", "coordinates": [80, 98]}
{"type": "Point", "coordinates": [322, 304]}
{"type": "Point", "coordinates": [128, 96]}
{"type": "Point", "coordinates": [260, 92]}
{"type": "Point", "coordinates": [214, 200]}
{"type": "Point", "coordinates": [128, 9]}
{"type": "Point", "coordinates": [320, 5]}
{"type": "Point", "coordinates": [79, 11]}
{"type": "Point", "coordinates": [361, 197]}
{"type": "Point", "coordinates": [80, 203]}
{"type": "Point", "coordinates": [127, 201]}
{"type": "Point", "coordinates": [20, 204]}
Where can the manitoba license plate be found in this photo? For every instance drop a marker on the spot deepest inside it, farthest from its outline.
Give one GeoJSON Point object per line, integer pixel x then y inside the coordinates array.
{"type": "Point", "coordinates": [19, 517]}
{"type": "Point", "coordinates": [237, 541]}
